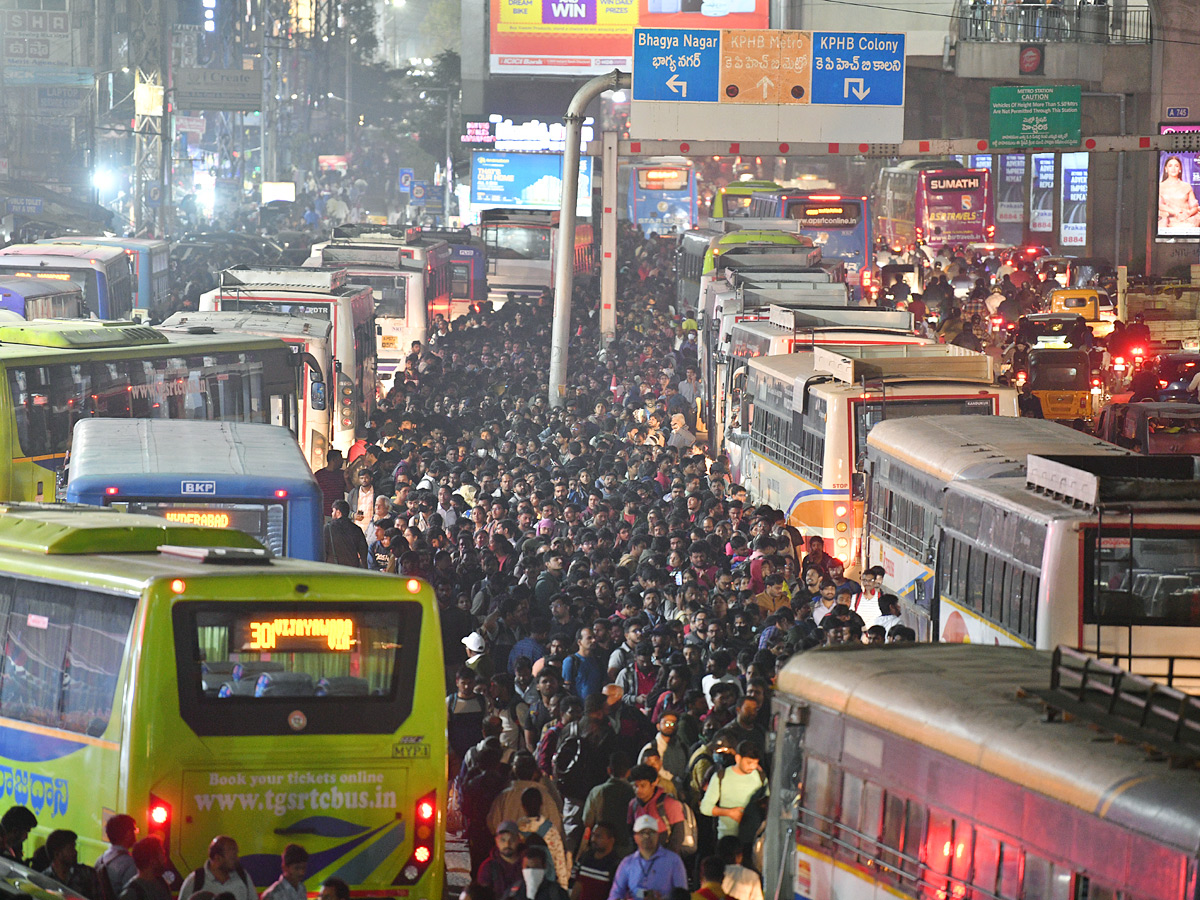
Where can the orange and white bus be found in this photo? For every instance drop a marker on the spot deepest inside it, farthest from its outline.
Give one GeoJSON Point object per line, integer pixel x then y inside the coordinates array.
{"type": "Point", "coordinates": [802, 442]}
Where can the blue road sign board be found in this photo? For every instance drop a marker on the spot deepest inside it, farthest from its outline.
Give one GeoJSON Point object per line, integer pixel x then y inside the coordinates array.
{"type": "Point", "coordinates": [419, 190]}
{"type": "Point", "coordinates": [850, 69]}
{"type": "Point", "coordinates": [434, 195]}
{"type": "Point", "coordinates": [154, 195]}
{"type": "Point", "coordinates": [406, 180]}
{"type": "Point", "coordinates": [25, 206]}
{"type": "Point", "coordinates": [681, 64]}
{"type": "Point", "coordinates": [1177, 112]}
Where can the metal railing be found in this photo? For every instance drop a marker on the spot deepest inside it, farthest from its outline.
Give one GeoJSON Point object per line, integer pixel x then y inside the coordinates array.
{"type": "Point", "coordinates": [1065, 22]}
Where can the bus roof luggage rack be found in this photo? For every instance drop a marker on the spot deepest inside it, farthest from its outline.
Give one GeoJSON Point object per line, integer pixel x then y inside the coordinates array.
{"type": "Point", "coordinates": [247, 321]}
{"type": "Point", "coordinates": [83, 334]}
{"type": "Point", "coordinates": [853, 365]}
{"type": "Point", "coordinates": [795, 318]}
{"type": "Point", "coordinates": [354, 231]}
{"type": "Point", "coordinates": [1131, 706]}
{"type": "Point", "coordinates": [377, 254]}
{"type": "Point", "coordinates": [1100, 481]}
{"type": "Point", "coordinates": [290, 276]}
{"type": "Point", "coordinates": [230, 556]}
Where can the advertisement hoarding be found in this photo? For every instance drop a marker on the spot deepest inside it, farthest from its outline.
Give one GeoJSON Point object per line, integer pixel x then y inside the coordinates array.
{"type": "Point", "coordinates": [1041, 193]}
{"type": "Point", "coordinates": [526, 181]}
{"type": "Point", "coordinates": [1010, 196]}
{"type": "Point", "coordinates": [1072, 231]}
{"type": "Point", "coordinates": [590, 37]}
{"type": "Point", "coordinates": [1178, 175]}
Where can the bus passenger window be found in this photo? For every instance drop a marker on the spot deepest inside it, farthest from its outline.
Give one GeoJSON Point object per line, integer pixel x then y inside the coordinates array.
{"type": "Point", "coordinates": [987, 863]}
{"type": "Point", "coordinates": [818, 796]}
{"type": "Point", "coordinates": [1044, 880]}
{"type": "Point", "coordinates": [893, 829]}
{"type": "Point", "coordinates": [1009, 887]}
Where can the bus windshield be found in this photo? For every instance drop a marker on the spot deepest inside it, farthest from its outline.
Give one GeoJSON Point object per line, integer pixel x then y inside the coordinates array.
{"type": "Point", "coordinates": [1151, 578]}
{"type": "Point", "coordinates": [869, 413]}
{"type": "Point", "coordinates": [390, 289]}
{"type": "Point", "coordinates": [517, 242]}
{"type": "Point", "coordinates": [87, 280]}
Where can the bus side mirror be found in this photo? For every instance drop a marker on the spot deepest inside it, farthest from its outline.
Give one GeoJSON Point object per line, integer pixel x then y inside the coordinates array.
{"type": "Point", "coordinates": [316, 395]}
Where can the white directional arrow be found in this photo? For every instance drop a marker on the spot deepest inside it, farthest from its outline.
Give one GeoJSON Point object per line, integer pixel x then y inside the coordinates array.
{"type": "Point", "coordinates": [766, 84]}
{"type": "Point", "coordinates": [860, 92]}
{"type": "Point", "coordinates": [680, 87]}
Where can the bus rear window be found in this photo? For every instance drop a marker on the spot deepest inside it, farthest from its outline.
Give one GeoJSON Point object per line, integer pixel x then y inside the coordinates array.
{"type": "Point", "coordinates": [246, 667]}
{"type": "Point", "coordinates": [1149, 578]}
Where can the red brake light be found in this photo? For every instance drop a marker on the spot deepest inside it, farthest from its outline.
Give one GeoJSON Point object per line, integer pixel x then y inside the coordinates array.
{"type": "Point", "coordinates": [1138, 352]}
{"type": "Point", "coordinates": [425, 811]}
{"type": "Point", "coordinates": [421, 854]}
{"type": "Point", "coordinates": [111, 491]}
{"type": "Point", "coordinates": [178, 586]}
{"type": "Point", "coordinates": [281, 494]}
{"type": "Point", "coordinates": [1118, 360]}
{"type": "Point", "coordinates": [160, 814]}
{"type": "Point", "coordinates": [1162, 384]}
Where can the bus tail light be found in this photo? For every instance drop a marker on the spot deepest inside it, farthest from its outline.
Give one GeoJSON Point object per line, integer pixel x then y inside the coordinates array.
{"type": "Point", "coordinates": [281, 494]}
{"type": "Point", "coordinates": [424, 836]}
{"type": "Point", "coordinates": [111, 491]}
{"type": "Point", "coordinates": [158, 821]}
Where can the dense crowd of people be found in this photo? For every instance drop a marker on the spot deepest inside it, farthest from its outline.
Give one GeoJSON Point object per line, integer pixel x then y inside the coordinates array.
{"type": "Point", "coordinates": [614, 612]}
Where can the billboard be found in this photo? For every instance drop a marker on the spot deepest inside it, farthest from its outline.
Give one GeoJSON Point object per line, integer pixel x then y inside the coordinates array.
{"type": "Point", "coordinates": [1010, 193]}
{"type": "Point", "coordinates": [526, 180]}
{"type": "Point", "coordinates": [1041, 193]}
{"type": "Point", "coordinates": [1072, 231]}
{"type": "Point", "coordinates": [590, 37]}
{"type": "Point", "coordinates": [1178, 176]}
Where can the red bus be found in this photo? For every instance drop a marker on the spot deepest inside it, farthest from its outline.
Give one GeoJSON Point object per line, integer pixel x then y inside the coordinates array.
{"type": "Point", "coordinates": [933, 202]}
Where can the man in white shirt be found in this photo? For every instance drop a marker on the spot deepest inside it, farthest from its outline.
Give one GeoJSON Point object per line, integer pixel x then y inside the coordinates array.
{"type": "Point", "coordinates": [290, 885]}
{"type": "Point", "coordinates": [222, 873]}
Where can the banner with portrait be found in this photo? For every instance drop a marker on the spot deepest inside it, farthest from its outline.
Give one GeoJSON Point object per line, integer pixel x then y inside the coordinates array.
{"type": "Point", "coordinates": [1178, 176]}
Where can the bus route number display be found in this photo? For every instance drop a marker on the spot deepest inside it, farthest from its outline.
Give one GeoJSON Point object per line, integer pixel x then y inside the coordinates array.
{"type": "Point", "coordinates": [837, 215]}
{"type": "Point", "coordinates": [299, 634]}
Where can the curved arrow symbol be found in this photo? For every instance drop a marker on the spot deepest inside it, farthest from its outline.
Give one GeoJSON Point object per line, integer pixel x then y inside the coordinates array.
{"type": "Point", "coordinates": [677, 86]}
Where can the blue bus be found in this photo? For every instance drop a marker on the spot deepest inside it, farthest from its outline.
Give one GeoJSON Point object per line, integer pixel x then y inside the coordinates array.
{"type": "Point", "coordinates": [841, 226]}
{"type": "Point", "coordinates": [41, 298]}
{"type": "Point", "coordinates": [662, 198]}
{"type": "Point", "coordinates": [150, 261]}
{"type": "Point", "coordinates": [221, 474]}
{"type": "Point", "coordinates": [102, 273]}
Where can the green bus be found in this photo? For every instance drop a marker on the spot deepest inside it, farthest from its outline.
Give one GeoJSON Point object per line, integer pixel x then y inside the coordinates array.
{"type": "Point", "coordinates": [181, 675]}
{"type": "Point", "coordinates": [55, 372]}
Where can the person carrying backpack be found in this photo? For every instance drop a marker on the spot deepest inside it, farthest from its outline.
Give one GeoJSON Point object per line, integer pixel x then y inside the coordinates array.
{"type": "Point", "coordinates": [115, 868]}
{"type": "Point", "coordinates": [223, 873]}
{"type": "Point", "coordinates": [733, 795]}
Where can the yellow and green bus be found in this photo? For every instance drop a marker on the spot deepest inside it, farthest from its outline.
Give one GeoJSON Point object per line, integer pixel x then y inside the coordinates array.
{"type": "Point", "coordinates": [733, 200]}
{"type": "Point", "coordinates": [55, 372]}
{"type": "Point", "coordinates": [181, 675]}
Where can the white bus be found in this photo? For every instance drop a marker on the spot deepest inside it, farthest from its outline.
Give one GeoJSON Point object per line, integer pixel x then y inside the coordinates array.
{"type": "Point", "coordinates": [1090, 551]}
{"type": "Point", "coordinates": [775, 330]}
{"type": "Point", "coordinates": [311, 337]}
{"type": "Point", "coordinates": [950, 772]}
{"type": "Point", "coordinates": [910, 465]}
{"type": "Point", "coordinates": [322, 293]}
{"type": "Point", "coordinates": [802, 442]}
{"type": "Point", "coordinates": [522, 246]}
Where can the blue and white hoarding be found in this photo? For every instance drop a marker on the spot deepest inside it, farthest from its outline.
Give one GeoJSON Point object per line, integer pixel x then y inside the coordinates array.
{"type": "Point", "coordinates": [526, 181]}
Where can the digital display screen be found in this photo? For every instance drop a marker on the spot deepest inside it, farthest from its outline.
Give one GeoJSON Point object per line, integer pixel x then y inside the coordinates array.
{"type": "Point", "coordinates": [941, 184]}
{"type": "Point", "coordinates": [662, 179]}
{"type": "Point", "coordinates": [295, 634]}
{"type": "Point", "coordinates": [247, 517]}
{"type": "Point", "coordinates": [1177, 182]}
{"type": "Point", "coordinates": [827, 215]}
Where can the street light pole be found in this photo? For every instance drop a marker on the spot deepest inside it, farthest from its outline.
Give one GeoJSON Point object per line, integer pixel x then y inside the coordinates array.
{"type": "Point", "coordinates": [446, 176]}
